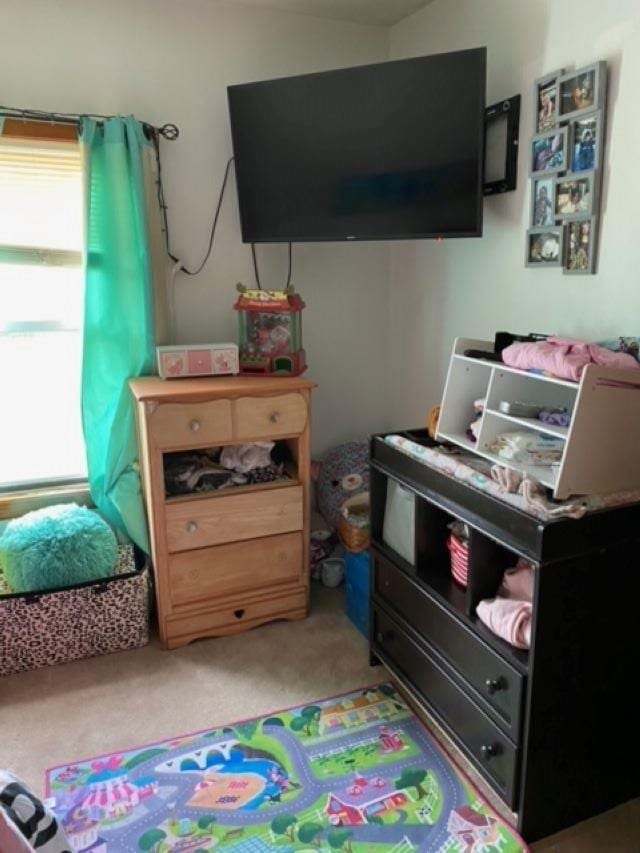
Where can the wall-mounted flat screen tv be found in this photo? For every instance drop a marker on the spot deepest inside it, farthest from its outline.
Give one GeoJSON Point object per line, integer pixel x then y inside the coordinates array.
{"type": "Point", "coordinates": [377, 152]}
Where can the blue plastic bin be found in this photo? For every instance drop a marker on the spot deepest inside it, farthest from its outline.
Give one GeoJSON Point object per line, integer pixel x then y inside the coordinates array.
{"type": "Point", "coordinates": [358, 589]}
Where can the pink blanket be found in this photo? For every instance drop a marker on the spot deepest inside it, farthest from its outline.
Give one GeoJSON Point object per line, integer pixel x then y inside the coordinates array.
{"type": "Point", "coordinates": [564, 357]}
{"type": "Point", "coordinates": [507, 618]}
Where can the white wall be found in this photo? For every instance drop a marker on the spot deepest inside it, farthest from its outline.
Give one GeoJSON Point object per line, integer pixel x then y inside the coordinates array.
{"type": "Point", "coordinates": [472, 288]}
{"type": "Point", "coordinates": [171, 60]}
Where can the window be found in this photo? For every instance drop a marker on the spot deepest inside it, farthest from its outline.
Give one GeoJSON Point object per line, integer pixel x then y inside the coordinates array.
{"type": "Point", "coordinates": [41, 307]}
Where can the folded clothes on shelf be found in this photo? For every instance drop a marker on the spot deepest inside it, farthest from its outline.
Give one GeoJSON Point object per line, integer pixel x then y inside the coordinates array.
{"type": "Point", "coordinates": [509, 614]}
{"type": "Point", "coordinates": [508, 619]}
{"type": "Point", "coordinates": [564, 357]}
{"type": "Point", "coordinates": [527, 448]}
{"type": "Point", "coordinates": [213, 468]}
{"type": "Point", "coordinates": [553, 417]}
{"type": "Point", "coordinates": [243, 458]}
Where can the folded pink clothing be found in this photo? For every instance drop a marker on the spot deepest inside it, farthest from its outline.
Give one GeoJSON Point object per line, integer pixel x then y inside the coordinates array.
{"type": "Point", "coordinates": [564, 357]}
{"type": "Point", "coordinates": [517, 583]}
{"type": "Point", "coordinates": [507, 618]}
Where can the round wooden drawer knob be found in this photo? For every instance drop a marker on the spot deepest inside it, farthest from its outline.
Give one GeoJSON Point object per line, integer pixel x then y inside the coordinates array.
{"type": "Point", "coordinates": [191, 527]}
{"type": "Point", "coordinates": [194, 426]}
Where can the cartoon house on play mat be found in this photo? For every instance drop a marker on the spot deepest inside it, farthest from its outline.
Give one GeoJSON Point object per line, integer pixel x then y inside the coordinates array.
{"type": "Point", "coordinates": [110, 794]}
{"type": "Point", "coordinates": [363, 800]}
{"type": "Point", "coordinates": [82, 831]}
{"type": "Point", "coordinates": [470, 828]}
{"type": "Point", "coordinates": [370, 708]}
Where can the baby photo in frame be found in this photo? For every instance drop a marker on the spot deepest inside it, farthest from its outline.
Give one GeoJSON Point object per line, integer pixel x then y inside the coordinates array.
{"type": "Point", "coordinates": [545, 247]}
{"type": "Point", "coordinates": [580, 258]}
{"type": "Point", "coordinates": [549, 152]}
{"type": "Point", "coordinates": [545, 94]}
{"type": "Point", "coordinates": [586, 143]}
{"type": "Point", "coordinates": [542, 202]}
{"type": "Point", "coordinates": [574, 196]}
{"type": "Point", "coordinates": [581, 91]}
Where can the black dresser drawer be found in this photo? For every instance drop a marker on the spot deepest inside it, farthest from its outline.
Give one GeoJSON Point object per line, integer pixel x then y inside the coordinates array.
{"type": "Point", "coordinates": [496, 681]}
{"type": "Point", "coordinates": [479, 738]}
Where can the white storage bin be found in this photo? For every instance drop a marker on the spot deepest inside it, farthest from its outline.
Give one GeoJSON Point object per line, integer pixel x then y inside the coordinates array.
{"type": "Point", "coordinates": [398, 528]}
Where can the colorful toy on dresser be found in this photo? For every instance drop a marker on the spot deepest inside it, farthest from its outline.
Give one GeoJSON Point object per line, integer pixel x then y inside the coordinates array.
{"type": "Point", "coordinates": [270, 331]}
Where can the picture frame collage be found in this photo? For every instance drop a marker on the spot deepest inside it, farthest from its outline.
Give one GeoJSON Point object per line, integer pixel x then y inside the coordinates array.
{"type": "Point", "coordinates": [565, 168]}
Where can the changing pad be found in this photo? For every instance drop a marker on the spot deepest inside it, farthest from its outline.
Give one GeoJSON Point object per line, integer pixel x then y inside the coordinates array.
{"type": "Point", "coordinates": [476, 472]}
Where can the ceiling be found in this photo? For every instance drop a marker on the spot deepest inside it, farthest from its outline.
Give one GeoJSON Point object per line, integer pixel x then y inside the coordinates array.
{"type": "Point", "coordinates": [380, 12]}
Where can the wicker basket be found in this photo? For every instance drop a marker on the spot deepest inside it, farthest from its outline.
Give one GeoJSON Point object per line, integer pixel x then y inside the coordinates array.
{"type": "Point", "coordinates": [354, 539]}
{"type": "Point", "coordinates": [354, 527]}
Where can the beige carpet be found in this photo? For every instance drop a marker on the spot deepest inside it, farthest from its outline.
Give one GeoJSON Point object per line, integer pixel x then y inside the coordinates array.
{"type": "Point", "coordinates": [96, 706]}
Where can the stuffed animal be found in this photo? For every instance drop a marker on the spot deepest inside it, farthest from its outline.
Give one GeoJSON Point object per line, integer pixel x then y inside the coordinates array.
{"type": "Point", "coordinates": [342, 477]}
{"type": "Point", "coordinates": [58, 546]}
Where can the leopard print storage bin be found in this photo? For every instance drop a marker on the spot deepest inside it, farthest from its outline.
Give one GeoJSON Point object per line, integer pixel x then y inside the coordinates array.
{"type": "Point", "coordinates": [42, 629]}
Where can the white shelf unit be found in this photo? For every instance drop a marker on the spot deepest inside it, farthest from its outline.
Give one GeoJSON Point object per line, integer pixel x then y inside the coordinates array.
{"type": "Point", "coordinates": [601, 448]}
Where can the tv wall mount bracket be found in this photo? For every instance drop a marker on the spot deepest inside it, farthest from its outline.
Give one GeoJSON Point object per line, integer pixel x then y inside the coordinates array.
{"type": "Point", "coordinates": [501, 132]}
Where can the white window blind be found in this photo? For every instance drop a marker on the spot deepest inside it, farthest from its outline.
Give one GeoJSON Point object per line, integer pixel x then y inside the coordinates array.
{"type": "Point", "coordinates": [41, 307]}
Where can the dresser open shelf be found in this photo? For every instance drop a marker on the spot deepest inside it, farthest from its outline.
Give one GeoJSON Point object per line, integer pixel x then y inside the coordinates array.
{"type": "Point", "coordinates": [600, 452]}
{"type": "Point", "coordinates": [549, 727]}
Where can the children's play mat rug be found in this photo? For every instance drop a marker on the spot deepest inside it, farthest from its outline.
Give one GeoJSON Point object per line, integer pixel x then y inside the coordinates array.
{"type": "Point", "coordinates": [356, 773]}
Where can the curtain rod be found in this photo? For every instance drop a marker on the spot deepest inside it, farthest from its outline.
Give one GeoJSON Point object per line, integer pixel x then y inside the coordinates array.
{"type": "Point", "coordinates": [167, 131]}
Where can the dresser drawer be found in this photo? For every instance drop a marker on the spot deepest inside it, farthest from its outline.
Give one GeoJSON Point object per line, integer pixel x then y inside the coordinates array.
{"type": "Point", "coordinates": [236, 617]}
{"type": "Point", "coordinates": [201, 522]}
{"type": "Point", "coordinates": [182, 425]}
{"type": "Point", "coordinates": [210, 573]}
{"type": "Point", "coordinates": [500, 685]}
{"type": "Point", "coordinates": [479, 738]}
{"type": "Point", "coordinates": [270, 417]}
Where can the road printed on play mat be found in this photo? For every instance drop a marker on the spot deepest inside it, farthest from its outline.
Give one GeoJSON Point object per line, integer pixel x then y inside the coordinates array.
{"type": "Point", "coordinates": [357, 773]}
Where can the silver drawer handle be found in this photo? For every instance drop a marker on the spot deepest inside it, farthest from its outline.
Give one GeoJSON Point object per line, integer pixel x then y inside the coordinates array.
{"type": "Point", "coordinates": [493, 685]}
{"type": "Point", "coordinates": [194, 426]}
{"type": "Point", "coordinates": [191, 527]}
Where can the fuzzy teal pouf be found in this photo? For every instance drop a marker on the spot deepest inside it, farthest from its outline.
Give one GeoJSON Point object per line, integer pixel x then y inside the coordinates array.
{"type": "Point", "coordinates": [56, 547]}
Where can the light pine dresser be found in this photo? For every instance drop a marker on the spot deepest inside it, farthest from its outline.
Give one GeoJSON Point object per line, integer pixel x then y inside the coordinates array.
{"type": "Point", "coordinates": [229, 560]}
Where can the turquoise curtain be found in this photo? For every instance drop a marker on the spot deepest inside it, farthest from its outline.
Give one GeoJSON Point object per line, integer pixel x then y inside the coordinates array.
{"type": "Point", "coordinates": [118, 317]}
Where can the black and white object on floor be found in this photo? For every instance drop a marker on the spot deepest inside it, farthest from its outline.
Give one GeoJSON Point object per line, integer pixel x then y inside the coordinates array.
{"type": "Point", "coordinates": [35, 821]}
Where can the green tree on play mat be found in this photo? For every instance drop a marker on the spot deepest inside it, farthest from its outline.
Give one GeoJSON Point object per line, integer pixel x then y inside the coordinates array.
{"type": "Point", "coordinates": [151, 839]}
{"type": "Point", "coordinates": [206, 821]}
{"type": "Point", "coordinates": [388, 691]}
{"type": "Point", "coordinates": [247, 730]}
{"type": "Point", "coordinates": [284, 825]}
{"type": "Point", "coordinates": [308, 833]}
{"type": "Point", "coordinates": [411, 777]}
{"type": "Point", "coordinates": [307, 716]}
{"type": "Point", "coordinates": [340, 839]}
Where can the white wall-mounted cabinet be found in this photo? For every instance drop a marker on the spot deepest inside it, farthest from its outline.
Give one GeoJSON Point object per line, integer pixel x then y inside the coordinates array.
{"type": "Point", "coordinates": [600, 447]}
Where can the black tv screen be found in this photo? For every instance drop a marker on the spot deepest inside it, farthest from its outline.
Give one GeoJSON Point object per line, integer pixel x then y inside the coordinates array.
{"type": "Point", "coordinates": [386, 151]}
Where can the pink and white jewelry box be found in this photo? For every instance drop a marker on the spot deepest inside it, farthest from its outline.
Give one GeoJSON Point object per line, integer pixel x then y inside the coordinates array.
{"type": "Point", "coordinates": [178, 362]}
